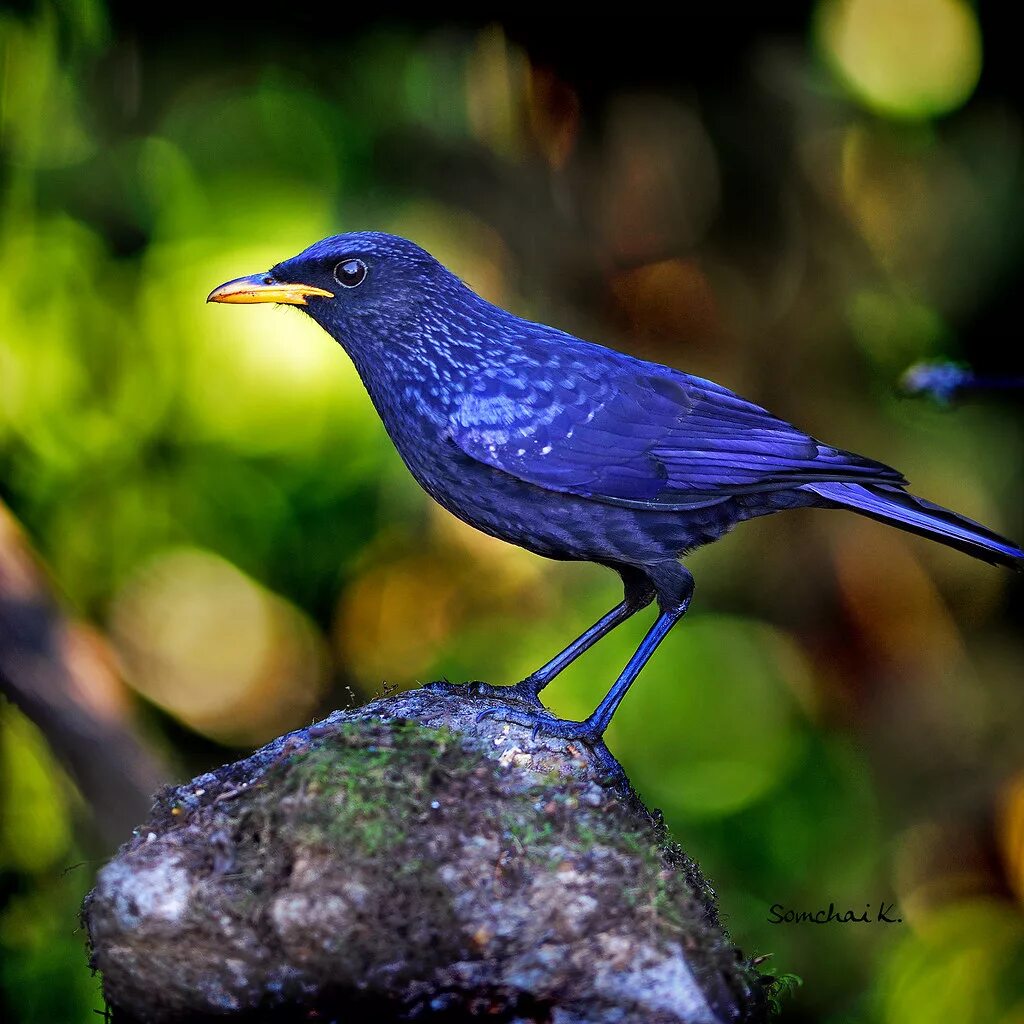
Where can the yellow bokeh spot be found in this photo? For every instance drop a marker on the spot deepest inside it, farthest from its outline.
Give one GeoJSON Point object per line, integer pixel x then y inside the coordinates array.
{"type": "Point", "coordinates": [1010, 833]}
{"type": "Point", "coordinates": [496, 88]}
{"type": "Point", "coordinates": [913, 59]}
{"type": "Point", "coordinates": [215, 649]}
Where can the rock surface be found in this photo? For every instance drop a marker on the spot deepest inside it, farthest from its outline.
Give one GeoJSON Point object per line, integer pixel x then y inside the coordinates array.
{"type": "Point", "coordinates": [404, 862]}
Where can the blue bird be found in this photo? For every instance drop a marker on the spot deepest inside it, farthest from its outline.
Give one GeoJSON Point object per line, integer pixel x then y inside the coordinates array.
{"type": "Point", "coordinates": [572, 450]}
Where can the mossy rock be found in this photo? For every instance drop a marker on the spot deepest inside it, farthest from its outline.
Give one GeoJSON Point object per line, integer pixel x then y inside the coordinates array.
{"type": "Point", "coordinates": [402, 862]}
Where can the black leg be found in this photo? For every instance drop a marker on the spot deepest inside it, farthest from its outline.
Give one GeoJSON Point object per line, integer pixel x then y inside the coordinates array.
{"type": "Point", "coordinates": [598, 721]}
{"type": "Point", "coordinates": [638, 594]}
{"type": "Point", "coordinates": [675, 590]}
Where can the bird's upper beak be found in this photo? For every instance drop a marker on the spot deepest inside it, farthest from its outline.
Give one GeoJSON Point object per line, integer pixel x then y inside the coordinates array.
{"type": "Point", "coordinates": [263, 288]}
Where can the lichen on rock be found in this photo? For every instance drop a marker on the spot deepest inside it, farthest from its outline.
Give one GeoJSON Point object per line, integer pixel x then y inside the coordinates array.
{"type": "Point", "coordinates": [404, 862]}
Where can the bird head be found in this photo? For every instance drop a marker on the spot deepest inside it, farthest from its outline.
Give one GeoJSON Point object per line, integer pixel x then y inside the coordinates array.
{"type": "Point", "coordinates": [356, 286]}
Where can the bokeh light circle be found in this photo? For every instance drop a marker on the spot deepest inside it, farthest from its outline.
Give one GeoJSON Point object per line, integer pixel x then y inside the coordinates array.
{"type": "Point", "coordinates": [215, 649]}
{"type": "Point", "coordinates": [911, 59]}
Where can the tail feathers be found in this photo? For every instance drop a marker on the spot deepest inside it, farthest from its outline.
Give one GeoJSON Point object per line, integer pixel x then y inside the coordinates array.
{"type": "Point", "coordinates": [908, 512]}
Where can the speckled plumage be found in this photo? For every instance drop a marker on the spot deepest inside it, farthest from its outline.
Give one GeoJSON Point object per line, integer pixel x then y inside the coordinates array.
{"type": "Point", "coordinates": [576, 451]}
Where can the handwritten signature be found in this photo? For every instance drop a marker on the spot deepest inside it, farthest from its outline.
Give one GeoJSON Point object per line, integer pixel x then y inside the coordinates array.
{"type": "Point", "coordinates": [886, 913]}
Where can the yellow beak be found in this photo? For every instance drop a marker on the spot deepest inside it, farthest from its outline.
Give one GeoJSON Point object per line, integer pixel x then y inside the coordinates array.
{"type": "Point", "coordinates": [259, 288]}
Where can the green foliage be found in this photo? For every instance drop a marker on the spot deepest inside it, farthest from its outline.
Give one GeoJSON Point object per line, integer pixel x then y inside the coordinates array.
{"type": "Point", "coordinates": [783, 986]}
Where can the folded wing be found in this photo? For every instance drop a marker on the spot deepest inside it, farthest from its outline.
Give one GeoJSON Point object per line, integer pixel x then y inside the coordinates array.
{"type": "Point", "coordinates": [640, 435]}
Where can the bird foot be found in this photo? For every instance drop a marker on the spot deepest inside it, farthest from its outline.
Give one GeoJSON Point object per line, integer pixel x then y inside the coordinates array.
{"type": "Point", "coordinates": [583, 732]}
{"type": "Point", "coordinates": [533, 715]}
{"type": "Point", "coordinates": [524, 692]}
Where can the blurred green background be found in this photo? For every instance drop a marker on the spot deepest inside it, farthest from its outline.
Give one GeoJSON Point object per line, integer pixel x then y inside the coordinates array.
{"type": "Point", "coordinates": [797, 206]}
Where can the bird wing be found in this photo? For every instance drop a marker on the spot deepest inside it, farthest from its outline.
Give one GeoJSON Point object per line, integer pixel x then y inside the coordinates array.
{"type": "Point", "coordinates": [642, 436]}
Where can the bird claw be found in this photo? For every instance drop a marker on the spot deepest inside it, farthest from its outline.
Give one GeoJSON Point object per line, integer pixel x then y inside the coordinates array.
{"type": "Point", "coordinates": [543, 721]}
{"type": "Point", "coordinates": [538, 721]}
{"type": "Point", "coordinates": [586, 732]}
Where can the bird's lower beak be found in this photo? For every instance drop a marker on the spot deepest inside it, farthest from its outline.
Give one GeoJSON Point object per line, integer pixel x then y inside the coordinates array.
{"type": "Point", "coordinates": [263, 288]}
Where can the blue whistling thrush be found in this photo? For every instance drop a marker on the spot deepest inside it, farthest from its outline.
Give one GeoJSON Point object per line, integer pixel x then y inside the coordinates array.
{"type": "Point", "coordinates": [572, 450]}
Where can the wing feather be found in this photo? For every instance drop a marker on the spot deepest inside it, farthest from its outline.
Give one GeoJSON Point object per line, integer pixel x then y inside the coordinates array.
{"type": "Point", "coordinates": [632, 433]}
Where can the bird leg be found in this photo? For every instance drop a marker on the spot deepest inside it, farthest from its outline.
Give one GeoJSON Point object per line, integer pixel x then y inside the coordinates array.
{"type": "Point", "coordinates": [591, 730]}
{"type": "Point", "coordinates": [638, 596]}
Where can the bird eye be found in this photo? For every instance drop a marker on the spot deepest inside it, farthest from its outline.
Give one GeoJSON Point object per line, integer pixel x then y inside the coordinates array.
{"type": "Point", "coordinates": [350, 273]}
